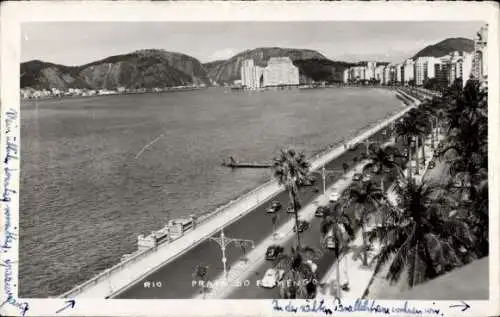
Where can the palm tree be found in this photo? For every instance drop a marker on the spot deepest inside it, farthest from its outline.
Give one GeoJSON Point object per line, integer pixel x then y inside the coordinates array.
{"type": "Point", "coordinates": [423, 241]}
{"type": "Point", "coordinates": [336, 227]}
{"type": "Point", "coordinates": [292, 170]}
{"type": "Point", "coordinates": [475, 213]}
{"type": "Point", "coordinates": [421, 129]}
{"type": "Point", "coordinates": [432, 113]}
{"type": "Point", "coordinates": [410, 129]}
{"type": "Point", "coordinates": [381, 159]}
{"type": "Point", "coordinates": [298, 275]}
{"type": "Point", "coordinates": [367, 199]}
{"type": "Point", "coordinates": [405, 134]}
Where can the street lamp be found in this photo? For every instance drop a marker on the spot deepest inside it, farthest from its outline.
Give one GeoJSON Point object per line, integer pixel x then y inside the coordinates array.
{"type": "Point", "coordinates": [323, 175]}
{"type": "Point", "coordinates": [223, 242]}
{"type": "Point", "coordinates": [367, 143]}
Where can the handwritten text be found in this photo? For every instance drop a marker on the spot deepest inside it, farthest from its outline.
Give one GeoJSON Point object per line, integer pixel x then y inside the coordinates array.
{"type": "Point", "coordinates": [360, 305]}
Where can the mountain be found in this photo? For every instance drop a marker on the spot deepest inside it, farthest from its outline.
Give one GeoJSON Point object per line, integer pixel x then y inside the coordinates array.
{"type": "Point", "coordinates": [143, 68]}
{"type": "Point", "coordinates": [227, 71]}
{"type": "Point", "coordinates": [447, 46]}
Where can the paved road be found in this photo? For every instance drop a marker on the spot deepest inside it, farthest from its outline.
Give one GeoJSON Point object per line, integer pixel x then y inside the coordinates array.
{"type": "Point", "coordinates": [176, 276]}
{"type": "Point", "coordinates": [311, 237]}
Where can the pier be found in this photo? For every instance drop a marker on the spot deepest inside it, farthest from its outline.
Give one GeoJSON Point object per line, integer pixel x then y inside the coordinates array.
{"type": "Point", "coordinates": [232, 163]}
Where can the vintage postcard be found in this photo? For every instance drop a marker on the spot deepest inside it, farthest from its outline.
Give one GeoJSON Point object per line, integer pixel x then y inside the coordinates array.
{"type": "Point", "coordinates": [249, 159]}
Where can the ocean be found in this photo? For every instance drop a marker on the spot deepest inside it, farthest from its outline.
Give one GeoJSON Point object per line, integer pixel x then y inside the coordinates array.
{"type": "Point", "coordinates": [98, 171]}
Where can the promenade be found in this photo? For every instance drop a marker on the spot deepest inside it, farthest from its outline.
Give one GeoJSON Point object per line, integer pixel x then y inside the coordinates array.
{"type": "Point", "coordinates": [169, 267]}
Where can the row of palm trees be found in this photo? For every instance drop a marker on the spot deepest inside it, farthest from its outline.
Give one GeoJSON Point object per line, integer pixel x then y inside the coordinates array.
{"type": "Point", "coordinates": [433, 228]}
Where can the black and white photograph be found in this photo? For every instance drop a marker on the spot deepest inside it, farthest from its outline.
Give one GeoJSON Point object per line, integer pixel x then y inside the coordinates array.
{"type": "Point", "coordinates": [252, 160]}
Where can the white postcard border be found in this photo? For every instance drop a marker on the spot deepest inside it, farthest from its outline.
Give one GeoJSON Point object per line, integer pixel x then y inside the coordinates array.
{"type": "Point", "coordinates": [12, 14]}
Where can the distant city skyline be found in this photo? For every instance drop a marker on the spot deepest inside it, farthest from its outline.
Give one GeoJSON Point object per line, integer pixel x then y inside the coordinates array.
{"type": "Point", "coordinates": [78, 43]}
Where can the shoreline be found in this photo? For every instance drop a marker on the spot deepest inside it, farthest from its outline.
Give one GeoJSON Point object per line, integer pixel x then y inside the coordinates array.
{"type": "Point", "coordinates": [44, 98]}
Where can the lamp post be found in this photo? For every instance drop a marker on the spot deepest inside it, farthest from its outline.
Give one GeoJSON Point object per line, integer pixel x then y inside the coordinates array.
{"type": "Point", "coordinates": [367, 143]}
{"type": "Point", "coordinates": [223, 242]}
{"type": "Point", "coordinates": [324, 172]}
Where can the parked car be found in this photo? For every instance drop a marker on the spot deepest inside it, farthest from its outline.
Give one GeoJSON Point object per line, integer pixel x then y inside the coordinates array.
{"type": "Point", "coordinates": [303, 226]}
{"type": "Point", "coordinates": [357, 177]}
{"type": "Point", "coordinates": [313, 265]}
{"type": "Point", "coordinates": [431, 165]}
{"type": "Point", "coordinates": [309, 182]}
{"type": "Point", "coordinates": [273, 252]}
{"type": "Point", "coordinates": [289, 209]}
{"type": "Point", "coordinates": [275, 206]}
{"type": "Point", "coordinates": [353, 147]}
{"type": "Point", "coordinates": [320, 211]}
{"type": "Point", "coordinates": [334, 196]}
{"type": "Point", "coordinates": [271, 278]}
{"type": "Point", "coordinates": [367, 178]}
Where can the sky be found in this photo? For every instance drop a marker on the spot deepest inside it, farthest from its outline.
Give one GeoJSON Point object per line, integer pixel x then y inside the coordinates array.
{"type": "Point", "coordinates": [77, 43]}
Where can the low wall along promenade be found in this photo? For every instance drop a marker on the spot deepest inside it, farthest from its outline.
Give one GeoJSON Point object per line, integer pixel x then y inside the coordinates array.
{"type": "Point", "coordinates": [116, 279]}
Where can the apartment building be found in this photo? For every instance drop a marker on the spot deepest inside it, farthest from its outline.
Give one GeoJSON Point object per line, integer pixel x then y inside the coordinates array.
{"type": "Point", "coordinates": [408, 71]}
{"type": "Point", "coordinates": [398, 69]}
{"type": "Point", "coordinates": [424, 69]}
{"type": "Point", "coordinates": [388, 72]}
{"type": "Point", "coordinates": [370, 70]}
{"type": "Point", "coordinates": [480, 57]}
{"type": "Point", "coordinates": [357, 73]}
{"type": "Point", "coordinates": [279, 71]}
{"type": "Point", "coordinates": [345, 76]}
{"type": "Point", "coordinates": [379, 73]}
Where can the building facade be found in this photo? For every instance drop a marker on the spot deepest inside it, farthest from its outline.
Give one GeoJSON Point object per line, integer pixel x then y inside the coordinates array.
{"type": "Point", "coordinates": [480, 57]}
{"type": "Point", "coordinates": [370, 70]}
{"type": "Point", "coordinates": [280, 71]}
{"type": "Point", "coordinates": [408, 71]}
{"type": "Point", "coordinates": [387, 75]}
{"type": "Point", "coordinates": [379, 73]}
{"type": "Point", "coordinates": [357, 73]}
{"type": "Point", "coordinates": [251, 75]}
{"type": "Point", "coordinates": [345, 76]}
{"type": "Point", "coordinates": [398, 69]}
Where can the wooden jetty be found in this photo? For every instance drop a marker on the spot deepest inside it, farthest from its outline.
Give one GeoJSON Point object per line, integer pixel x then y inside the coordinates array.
{"type": "Point", "coordinates": [232, 163]}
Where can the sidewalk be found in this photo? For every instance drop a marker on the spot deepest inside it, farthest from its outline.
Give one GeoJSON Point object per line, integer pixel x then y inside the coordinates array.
{"type": "Point", "coordinates": [240, 271]}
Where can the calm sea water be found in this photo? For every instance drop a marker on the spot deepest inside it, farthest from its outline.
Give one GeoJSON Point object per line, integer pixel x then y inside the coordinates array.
{"type": "Point", "coordinates": [85, 195]}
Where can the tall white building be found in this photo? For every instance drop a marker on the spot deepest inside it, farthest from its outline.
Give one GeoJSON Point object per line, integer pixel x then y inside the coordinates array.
{"type": "Point", "coordinates": [280, 71]}
{"type": "Point", "coordinates": [398, 69]}
{"type": "Point", "coordinates": [424, 69]}
{"type": "Point", "coordinates": [408, 71]}
{"type": "Point", "coordinates": [379, 73]}
{"type": "Point", "coordinates": [345, 76]}
{"type": "Point", "coordinates": [467, 61]}
{"type": "Point", "coordinates": [387, 75]}
{"type": "Point", "coordinates": [480, 61]}
{"type": "Point", "coordinates": [251, 75]}
{"type": "Point", "coordinates": [358, 73]}
{"type": "Point", "coordinates": [370, 70]}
